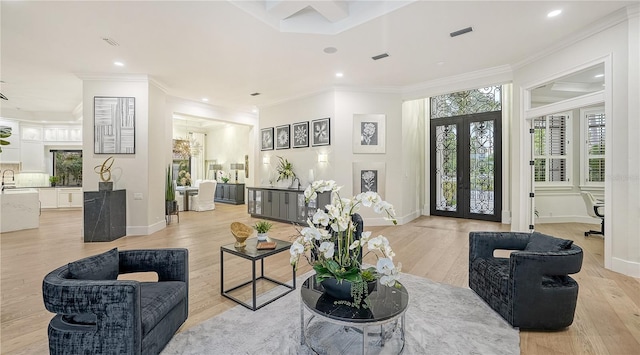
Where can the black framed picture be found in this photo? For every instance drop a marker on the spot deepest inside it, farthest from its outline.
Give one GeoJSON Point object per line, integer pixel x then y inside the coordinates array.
{"type": "Point", "coordinates": [369, 176]}
{"type": "Point", "coordinates": [320, 132]}
{"type": "Point", "coordinates": [114, 125]}
{"type": "Point", "coordinates": [283, 137]}
{"type": "Point", "coordinates": [300, 134]}
{"type": "Point", "coordinates": [266, 138]}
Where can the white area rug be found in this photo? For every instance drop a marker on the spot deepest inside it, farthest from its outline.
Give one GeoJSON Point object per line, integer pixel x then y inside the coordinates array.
{"type": "Point", "coordinates": [441, 319]}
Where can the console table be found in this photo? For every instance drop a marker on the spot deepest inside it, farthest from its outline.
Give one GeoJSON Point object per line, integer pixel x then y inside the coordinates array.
{"type": "Point", "coordinates": [229, 193]}
{"type": "Point", "coordinates": [284, 204]}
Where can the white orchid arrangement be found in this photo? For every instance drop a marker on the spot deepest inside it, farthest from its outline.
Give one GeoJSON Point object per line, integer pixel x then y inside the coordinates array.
{"type": "Point", "coordinates": [328, 241]}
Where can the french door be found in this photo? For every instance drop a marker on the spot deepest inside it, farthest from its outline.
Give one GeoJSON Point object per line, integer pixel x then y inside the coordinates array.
{"type": "Point", "coordinates": [466, 166]}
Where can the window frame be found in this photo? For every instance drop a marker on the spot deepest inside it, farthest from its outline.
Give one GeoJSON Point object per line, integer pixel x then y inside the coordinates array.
{"type": "Point", "coordinates": [584, 154]}
{"type": "Point", "coordinates": [568, 156]}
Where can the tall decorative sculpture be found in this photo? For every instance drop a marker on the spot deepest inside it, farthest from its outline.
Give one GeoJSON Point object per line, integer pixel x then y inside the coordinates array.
{"type": "Point", "coordinates": [105, 174]}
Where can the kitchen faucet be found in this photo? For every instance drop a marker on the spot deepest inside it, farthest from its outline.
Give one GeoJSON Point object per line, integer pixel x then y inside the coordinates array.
{"type": "Point", "coordinates": [294, 180]}
{"type": "Point", "coordinates": [4, 185]}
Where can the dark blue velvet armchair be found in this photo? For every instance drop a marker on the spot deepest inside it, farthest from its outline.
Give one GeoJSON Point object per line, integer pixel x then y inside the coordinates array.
{"type": "Point", "coordinates": [98, 314]}
{"type": "Point", "coordinates": [531, 289]}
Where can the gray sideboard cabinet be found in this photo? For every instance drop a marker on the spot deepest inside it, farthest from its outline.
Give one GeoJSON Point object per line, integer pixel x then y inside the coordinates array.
{"type": "Point", "coordinates": [229, 193]}
{"type": "Point", "coordinates": [284, 205]}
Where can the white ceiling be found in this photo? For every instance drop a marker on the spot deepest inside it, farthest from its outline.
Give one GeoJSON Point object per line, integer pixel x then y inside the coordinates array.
{"type": "Point", "coordinates": [219, 50]}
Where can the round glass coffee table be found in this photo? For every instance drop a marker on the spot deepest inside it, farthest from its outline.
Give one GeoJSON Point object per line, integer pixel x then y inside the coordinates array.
{"type": "Point", "coordinates": [338, 328]}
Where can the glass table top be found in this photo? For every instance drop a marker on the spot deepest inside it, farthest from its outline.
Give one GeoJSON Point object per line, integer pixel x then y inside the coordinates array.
{"type": "Point", "coordinates": [251, 252]}
{"type": "Point", "coordinates": [385, 303]}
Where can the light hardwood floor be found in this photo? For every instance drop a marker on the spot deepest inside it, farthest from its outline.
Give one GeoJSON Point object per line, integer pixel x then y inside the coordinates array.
{"type": "Point", "coordinates": [607, 318]}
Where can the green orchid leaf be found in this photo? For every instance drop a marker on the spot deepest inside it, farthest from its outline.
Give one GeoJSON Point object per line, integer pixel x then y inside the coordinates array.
{"type": "Point", "coordinates": [3, 142]}
{"type": "Point", "coordinates": [5, 131]}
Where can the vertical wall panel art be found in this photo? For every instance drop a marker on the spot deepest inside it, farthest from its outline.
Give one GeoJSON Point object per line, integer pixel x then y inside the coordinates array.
{"type": "Point", "coordinates": [114, 125]}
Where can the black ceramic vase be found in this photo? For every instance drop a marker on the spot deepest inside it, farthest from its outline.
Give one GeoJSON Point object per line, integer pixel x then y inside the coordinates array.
{"type": "Point", "coordinates": [342, 290]}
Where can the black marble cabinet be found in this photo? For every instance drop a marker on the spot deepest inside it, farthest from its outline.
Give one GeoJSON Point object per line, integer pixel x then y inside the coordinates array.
{"type": "Point", "coordinates": [105, 215]}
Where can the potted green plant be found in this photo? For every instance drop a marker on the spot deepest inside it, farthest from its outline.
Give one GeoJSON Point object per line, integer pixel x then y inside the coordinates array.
{"type": "Point", "coordinates": [171, 205]}
{"type": "Point", "coordinates": [53, 180]}
{"type": "Point", "coordinates": [262, 227]}
{"type": "Point", "coordinates": [285, 172]}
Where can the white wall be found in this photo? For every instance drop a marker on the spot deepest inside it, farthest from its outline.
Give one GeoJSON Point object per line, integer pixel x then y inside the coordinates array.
{"type": "Point", "coordinates": [229, 144]}
{"type": "Point", "coordinates": [564, 205]}
{"type": "Point", "coordinates": [181, 106]}
{"type": "Point", "coordinates": [414, 158]}
{"type": "Point", "coordinates": [340, 106]}
{"type": "Point", "coordinates": [129, 171]}
{"type": "Point", "coordinates": [618, 43]}
{"type": "Point", "coordinates": [349, 103]}
{"type": "Point", "coordinates": [303, 159]}
{"type": "Point", "coordinates": [159, 143]}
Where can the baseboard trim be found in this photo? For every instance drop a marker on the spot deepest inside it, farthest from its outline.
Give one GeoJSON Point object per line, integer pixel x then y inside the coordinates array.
{"type": "Point", "coordinates": [146, 230]}
{"type": "Point", "coordinates": [506, 217]}
{"type": "Point", "coordinates": [629, 268]}
{"type": "Point", "coordinates": [567, 219]}
{"type": "Point", "coordinates": [408, 218]}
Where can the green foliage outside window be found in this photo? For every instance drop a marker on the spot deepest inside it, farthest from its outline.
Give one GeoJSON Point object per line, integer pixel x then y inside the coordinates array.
{"type": "Point", "coordinates": [68, 167]}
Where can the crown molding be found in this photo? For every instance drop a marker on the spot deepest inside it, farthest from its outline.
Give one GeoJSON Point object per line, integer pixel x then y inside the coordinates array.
{"type": "Point", "coordinates": [160, 85]}
{"type": "Point", "coordinates": [113, 77]}
{"type": "Point", "coordinates": [496, 75]}
{"type": "Point", "coordinates": [602, 24]}
{"type": "Point", "coordinates": [294, 98]}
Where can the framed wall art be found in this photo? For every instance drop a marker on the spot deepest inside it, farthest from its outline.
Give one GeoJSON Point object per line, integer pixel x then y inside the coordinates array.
{"type": "Point", "coordinates": [300, 134]}
{"type": "Point", "coordinates": [114, 125]}
{"type": "Point", "coordinates": [266, 138]}
{"type": "Point", "coordinates": [369, 133]}
{"type": "Point", "coordinates": [369, 176]}
{"type": "Point", "coordinates": [283, 137]}
{"type": "Point", "coordinates": [320, 132]}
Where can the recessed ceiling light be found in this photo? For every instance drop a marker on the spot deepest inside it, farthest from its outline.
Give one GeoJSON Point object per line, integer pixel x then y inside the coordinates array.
{"type": "Point", "coordinates": [255, 110]}
{"type": "Point", "coordinates": [119, 64]}
{"type": "Point", "coordinates": [204, 99]}
{"type": "Point", "coordinates": [440, 63]}
{"type": "Point", "coordinates": [330, 50]}
{"type": "Point", "coordinates": [554, 13]}
{"type": "Point", "coordinates": [339, 75]}
{"type": "Point", "coordinates": [599, 76]}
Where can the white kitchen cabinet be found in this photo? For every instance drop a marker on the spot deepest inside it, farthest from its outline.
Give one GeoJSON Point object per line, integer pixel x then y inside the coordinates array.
{"type": "Point", "coordinates": [32, 157]}
{"type": "Point", "coordinates": [70, 197]}
{"type": "Point", "coordinates": [48, 197]}
{"type": "Point", "coordinates": [10, 155]}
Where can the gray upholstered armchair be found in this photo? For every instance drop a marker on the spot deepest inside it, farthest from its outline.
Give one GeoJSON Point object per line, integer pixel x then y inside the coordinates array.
{"type": "Point", "coordinates": [531, 289]}
{"type": "Point", "coordinates": [98, 314]}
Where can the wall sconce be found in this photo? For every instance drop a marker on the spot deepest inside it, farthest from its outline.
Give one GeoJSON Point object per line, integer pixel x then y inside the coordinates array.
{"type": "Point", "coordinates": [266, 159]}
{"type": "Point", "coordinates": [323, 158]}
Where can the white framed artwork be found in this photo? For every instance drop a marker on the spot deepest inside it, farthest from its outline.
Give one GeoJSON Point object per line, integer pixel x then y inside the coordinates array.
{"type": "Point", "coordinates": [369, 176]}
{"type": "Point", "coordinates": [369, 133]}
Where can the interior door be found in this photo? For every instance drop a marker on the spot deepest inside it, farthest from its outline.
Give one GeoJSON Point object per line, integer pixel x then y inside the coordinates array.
{"type": "Point", "coordinates": [466, 166]}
